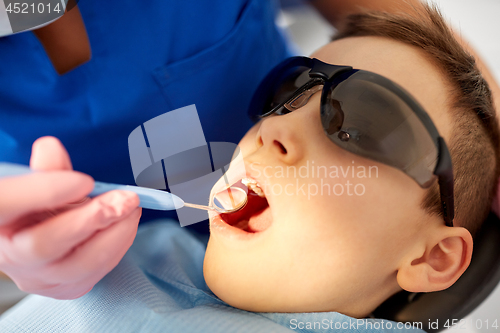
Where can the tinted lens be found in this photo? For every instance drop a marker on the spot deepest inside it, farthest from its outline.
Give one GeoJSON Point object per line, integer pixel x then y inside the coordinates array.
{"type": "Point", "coordinates": [279, 86]}
{"type": "Point", "coordinates": [287, 86]}
{"type": "Point", "coordinates": [370, 116]}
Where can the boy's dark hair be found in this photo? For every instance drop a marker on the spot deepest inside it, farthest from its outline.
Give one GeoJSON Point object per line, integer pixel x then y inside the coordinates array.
{"type": "Point", "coordinates": [474, 145]}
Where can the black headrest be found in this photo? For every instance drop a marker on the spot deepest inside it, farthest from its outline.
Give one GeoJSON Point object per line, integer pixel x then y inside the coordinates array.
{"type": "Point", "coordinates": [459, 300]}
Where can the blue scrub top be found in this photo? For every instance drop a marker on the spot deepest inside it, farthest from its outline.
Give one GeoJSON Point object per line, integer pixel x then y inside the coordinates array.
{"type": "Point", "coordinates": [148, 58]}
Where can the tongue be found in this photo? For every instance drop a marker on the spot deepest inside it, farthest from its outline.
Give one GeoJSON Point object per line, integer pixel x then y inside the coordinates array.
{"type": "Point", "coordinates": [256, 212]}
{"type": "Point", "coordinates": [260, 221]}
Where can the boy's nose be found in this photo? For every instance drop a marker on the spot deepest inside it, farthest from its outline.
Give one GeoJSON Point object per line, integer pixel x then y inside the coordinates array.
{"type": "Point", "coordinates": [281, 137]}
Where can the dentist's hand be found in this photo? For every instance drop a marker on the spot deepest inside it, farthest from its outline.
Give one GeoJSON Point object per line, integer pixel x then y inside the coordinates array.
{"type": "Point", "coordinates": [54, 241]}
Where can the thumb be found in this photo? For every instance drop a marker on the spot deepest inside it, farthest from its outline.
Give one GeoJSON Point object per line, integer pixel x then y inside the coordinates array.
{"type": "Point", "coordinates": [48, 153]}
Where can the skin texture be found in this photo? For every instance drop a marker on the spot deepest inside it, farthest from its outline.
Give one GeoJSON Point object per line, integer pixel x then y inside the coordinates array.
{"type": "Point", "coordinates": [344, 253]}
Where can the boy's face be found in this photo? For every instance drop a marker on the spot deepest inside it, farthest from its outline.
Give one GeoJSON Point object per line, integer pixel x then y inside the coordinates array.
{"type": "Point", "coordinates": [331, 239]}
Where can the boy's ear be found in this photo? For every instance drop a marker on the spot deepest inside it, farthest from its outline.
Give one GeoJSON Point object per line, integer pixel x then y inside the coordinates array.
{"type": "Point", "coordinates": [446, 255]}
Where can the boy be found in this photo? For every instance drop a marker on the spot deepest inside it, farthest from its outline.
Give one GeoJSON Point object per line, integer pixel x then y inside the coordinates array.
{"type": "Point", "coordinates": [348, 253]}
{"type": "Point", "coordinates": [307, 257]}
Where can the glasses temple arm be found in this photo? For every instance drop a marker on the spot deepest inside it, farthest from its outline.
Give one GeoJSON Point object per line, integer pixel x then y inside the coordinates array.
{"type": "Point", "coordinates": [444, 171]}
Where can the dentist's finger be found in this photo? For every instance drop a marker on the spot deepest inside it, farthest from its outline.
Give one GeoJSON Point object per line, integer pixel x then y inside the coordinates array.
{"type": "Point", "coordinates": [48, 153]}
{"type": "Point", "coordinates": [91, 261]}
{"type": "Point", "coordinates": [56, 237]}
{"type": "Point", "coordinates": [38, 191]}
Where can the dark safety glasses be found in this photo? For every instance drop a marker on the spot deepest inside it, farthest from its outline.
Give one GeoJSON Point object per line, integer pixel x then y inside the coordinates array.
{"type": "Point", "coordinates": [365, 114]}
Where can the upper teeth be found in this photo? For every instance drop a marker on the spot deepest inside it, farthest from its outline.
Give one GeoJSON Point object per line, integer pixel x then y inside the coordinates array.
{"type": "Point", "coordinates": [252, 184]}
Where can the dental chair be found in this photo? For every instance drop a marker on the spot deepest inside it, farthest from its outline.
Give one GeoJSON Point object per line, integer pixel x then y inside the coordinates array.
{"type": "Point", "coordinates": [463, 297]}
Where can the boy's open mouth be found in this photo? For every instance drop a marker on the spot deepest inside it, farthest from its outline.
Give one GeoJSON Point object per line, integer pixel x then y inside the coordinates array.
{"type": "Point", "coordinates": [256, 215]}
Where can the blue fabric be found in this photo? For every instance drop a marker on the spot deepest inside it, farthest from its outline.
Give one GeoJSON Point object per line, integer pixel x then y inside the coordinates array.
{"type": "Point", "coordinates": [148, 58]}
{"type": "Point", "coordinates": [159, 287]}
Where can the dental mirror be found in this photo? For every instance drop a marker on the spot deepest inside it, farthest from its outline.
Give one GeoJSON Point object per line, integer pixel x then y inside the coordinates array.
{"type": "Point", "coordinates": [230, 200]}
